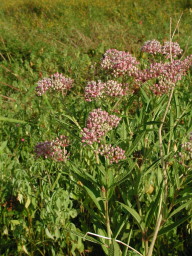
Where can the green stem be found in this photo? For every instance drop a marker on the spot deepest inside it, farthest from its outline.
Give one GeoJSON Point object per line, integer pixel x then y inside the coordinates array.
{"type": "Point", "coordinates": [56, 181]}
{"type": "Point", "coordinates": [161, 143]}
{"type": "Point", "coordinates": [107, 209]}
{"type": "Point", "coordinates": [107, 218]}
{"type": "Point", "coordinates": [157, 227]}
{"type": "Point", "coordinates": [165, 178]}
{"type": "Point", "coordinates": [146, 247]}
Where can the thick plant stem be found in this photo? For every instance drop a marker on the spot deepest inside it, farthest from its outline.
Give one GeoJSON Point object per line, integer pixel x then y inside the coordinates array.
{"type": "Point", "coordinates": [165, 178]}
{"type": "Point", "coordinates": [107, 218]}
{"type": "Point", "coordinates": [146, 247]}
{"type": "Point", "coordinates": [157, 227]}
{"type": "Point", "coordinates": [161, 143]}
{"type": "Point", "coordinates": [106, 205]}
{"type": "Point", "coordinates": [158, 224]}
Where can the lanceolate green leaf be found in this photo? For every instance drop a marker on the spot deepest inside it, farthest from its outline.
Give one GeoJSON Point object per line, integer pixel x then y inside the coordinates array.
{"type": "Point", "coordinates": [173, 225]}
{"type": "Point", "coordinates": [153, 207]}
{"type": "Point", "coordinates": [11, 120]}
{"type": "Point", "coordinates": [82, 174]}
{"type": "Point", "coordinates": [135, 143]}
{"type": "Point", "coordinates": [134, 214]}
{"type": "Point", "coordinates": [148, 169]}
{"type": "Point", "coordinates": [114, 249]}
{"type": "Point", "coordinates": [180, 208]}
{"type": "Point", "coordinates": [91, 194]}
{"type": "Point", "coordinates": [73, 120]}
{"type": "Point", "coordinates": [123, 177]}
{"type": "Point", "coordinates": [83, 236]}
{"type": "Point", "coordinates": [144, 95]}
{"type": "Point", "coordinates": [49, 234]}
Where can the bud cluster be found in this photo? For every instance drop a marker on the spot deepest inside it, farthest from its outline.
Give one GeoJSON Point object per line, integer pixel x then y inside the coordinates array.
{"type": "Point", "coordinates": [168, 73]}
{"type": "Point", "coordinates": [187, 148]}
{"type": "Point", "coordinates": [55, 149]}
{"type": "Point", "coordinates": [161, 88]}
{"type": "Point", "coordinates": [171, 49]}
{"type": "Point", "coordinates": [99, 89]}
{"type": "Point", "coordinates": [168, 48]}
{"type": "Point", "coordinates": [99, 122]}
{"type": "Point", "coordinates": [171, 72]}
{"type": "Point", "coordinates": [114, 154]}
{"type": "Point", "coordinates": [119, 62]}
{"type": "Point", "coordinates": [56, 82]}
{"type": "Point", "coordinates": [152, 47]}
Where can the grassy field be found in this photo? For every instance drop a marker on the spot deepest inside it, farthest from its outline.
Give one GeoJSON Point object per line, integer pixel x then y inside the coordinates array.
{"type": "Point", "coordinates": [47, 204]}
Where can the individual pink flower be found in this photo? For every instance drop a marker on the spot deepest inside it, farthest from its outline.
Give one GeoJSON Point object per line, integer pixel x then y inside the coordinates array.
{"type": "Point", "coordinates": [167, 49]}
{"type": "Point", "coordinates": [115, 89]}
{"type": "Point", "coordinates": [43, 85]}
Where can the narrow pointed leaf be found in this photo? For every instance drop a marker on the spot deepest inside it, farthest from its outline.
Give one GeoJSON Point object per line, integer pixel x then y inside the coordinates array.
{"type": "Point", "coordinates": [134, 214]}
{"type": "Point", "coordinates": [173, 225]}
{"type": "Point", "coordinates": [114, 249]}
{"type": "Point", "coordinates": [91, 194]}
{"type": "Point", "coordinates": [135, 143]}
{"type": "Point", "coordinates": [11, 120]}
{"type": "Point", "coordinates": [180, 208]}
{"type": "Point", "coordinates": [153, 207]}
{"type": "Point", "coordinates": [83, 236]}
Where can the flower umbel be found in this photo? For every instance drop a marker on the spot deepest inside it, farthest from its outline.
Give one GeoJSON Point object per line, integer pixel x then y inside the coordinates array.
{"type": "Point", "coordinates": [99, 122]}
{"type": "Point", "coordinates": [187, 148]}
{"type": "Point", "coordinates": [119, 62]}
{"type": "Point", "coordinates": [55, 149]}
{"type": "Point", "coordinates": [151, 46]}
{"type": "Point", "coordinates": [167, 49]}
{"type": "Point", "coordinates": [168, 73]}
{"type": "Point", "coordinates": [171, 48]}
{"type": "Point", "coordinates": [99, 89]}
{"type": "Point", "coordinates": [56, 82]}
{"type": "Point", "coordinates": [114, 154]}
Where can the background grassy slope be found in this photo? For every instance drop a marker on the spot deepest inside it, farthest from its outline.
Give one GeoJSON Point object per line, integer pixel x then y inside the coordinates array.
{"type": "Point", "coordinates": [89, 24]}
{"type": "Point", "coordinates": [42, 37]}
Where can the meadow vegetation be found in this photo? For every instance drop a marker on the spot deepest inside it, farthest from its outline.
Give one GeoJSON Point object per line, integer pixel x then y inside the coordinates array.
{"type": "Point", "coordinates": [95, 127]}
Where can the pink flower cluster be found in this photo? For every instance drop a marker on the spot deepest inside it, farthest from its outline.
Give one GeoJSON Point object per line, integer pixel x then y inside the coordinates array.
{"type": "Point", "coordinates": [170, 72]}
{"type": "Point", "coordinates": [187, 148]}
{"type": "Point", "coordinates": [56, 82]}
{"type": "Point", "coordinates": [99, 89]}
{"type": "Point", "coordinates": [119, 62]}
{"type": "Point", "coordinates": [161, 88]}
{"type": "Point", "coordinates": [167, 49]}
{"type": "Point", "coordinates": [114, 154]}
{"type": "Point", "coordinates": [171, 48]}
{"type": "Point", "coordinates": [151, 46]}
{"type": "Point", "coordinates": [94, 90]}
{"type": "Point", "coordinates": [55, 149]}
{"type": "Point", "coordinates": [99, 122]}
